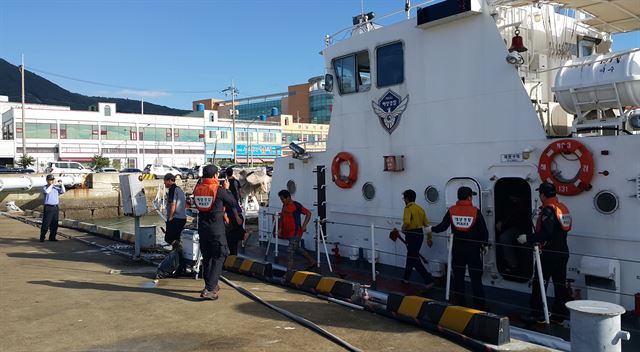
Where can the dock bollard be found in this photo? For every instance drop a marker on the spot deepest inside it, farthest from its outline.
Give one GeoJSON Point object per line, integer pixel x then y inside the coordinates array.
{"type": "Point", "coordinates": [595, 326]}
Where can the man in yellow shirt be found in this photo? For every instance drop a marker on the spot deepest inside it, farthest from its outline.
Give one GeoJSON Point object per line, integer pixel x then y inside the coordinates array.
{"type": "Point", "coordinates": [413, 221]}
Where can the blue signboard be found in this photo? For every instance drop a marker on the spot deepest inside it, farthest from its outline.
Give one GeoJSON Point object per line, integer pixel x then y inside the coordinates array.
{"type": "Point", "coordinates": [259, 150]}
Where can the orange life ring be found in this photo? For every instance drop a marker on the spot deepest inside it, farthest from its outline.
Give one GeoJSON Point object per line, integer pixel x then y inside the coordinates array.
{"type": "Point", "coordinates": [582, 181]}
{"type": "Point", "coordinates": [344, 181]}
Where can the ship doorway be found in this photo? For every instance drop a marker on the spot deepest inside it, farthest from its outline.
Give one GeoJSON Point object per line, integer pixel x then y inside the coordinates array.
{"type": "Point", "coordinates": [513, 217]}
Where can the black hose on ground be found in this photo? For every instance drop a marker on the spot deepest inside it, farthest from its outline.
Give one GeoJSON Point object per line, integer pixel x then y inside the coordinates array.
{"type": "Point", "coordinates": [298, 319]}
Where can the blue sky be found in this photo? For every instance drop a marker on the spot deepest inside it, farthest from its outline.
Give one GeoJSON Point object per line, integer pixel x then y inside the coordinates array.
{"type": "Point", "coordinates": [165, 50]}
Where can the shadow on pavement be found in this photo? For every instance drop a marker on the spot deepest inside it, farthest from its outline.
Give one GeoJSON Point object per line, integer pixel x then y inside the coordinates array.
{"type": "Point", "coordinates": [71, 284]}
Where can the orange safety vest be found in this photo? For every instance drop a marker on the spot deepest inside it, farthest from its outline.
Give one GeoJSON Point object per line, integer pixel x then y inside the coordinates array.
{"type": "Point", "coordinates": [205, 194]}
{"type": "Point", "coordinates": [463, 215]}
{"type": "Point", "coordinates": [562, 213]}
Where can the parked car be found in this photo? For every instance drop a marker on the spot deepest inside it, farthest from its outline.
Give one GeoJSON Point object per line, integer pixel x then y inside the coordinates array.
{"type": "Point", "coordinates": [14, 170]}
{"type": "Point", "coordinates": [107, 170]}
{"type": "Point", "coordinates": [66, 167]}
{"type": "Point", "coordinates": [187, 172]}
{"type": "Point", "coordinates": [130, 170]}
{"type": "Point", "coordinates": [158, 171]}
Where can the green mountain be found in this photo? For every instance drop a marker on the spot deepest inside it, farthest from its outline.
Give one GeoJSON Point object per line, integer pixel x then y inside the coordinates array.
{"type": "Point", "coordinates": [42, 91]}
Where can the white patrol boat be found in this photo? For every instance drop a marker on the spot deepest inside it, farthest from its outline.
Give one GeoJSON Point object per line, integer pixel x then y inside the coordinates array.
{"type": "Point", "coordinates": [494, 95]}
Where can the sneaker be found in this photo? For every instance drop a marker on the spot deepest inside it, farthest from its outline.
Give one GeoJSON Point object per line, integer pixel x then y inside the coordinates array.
{"type": "Point", "coordinates": [428, 286]}
{"type": "Point", "coordinates": [406, 282]}
{"type": "Point", "coordinates": [209, 295]}
{"type": "Point", "coordinates": [41, 239]}
{"type": "Point", "coordinates": [53, 240]}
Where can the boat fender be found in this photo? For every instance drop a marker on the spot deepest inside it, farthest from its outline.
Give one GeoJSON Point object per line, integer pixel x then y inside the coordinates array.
{"type": "Point", "coordinates": [344, 181]}
{"type": "Point", "coordinates": [582, 181]}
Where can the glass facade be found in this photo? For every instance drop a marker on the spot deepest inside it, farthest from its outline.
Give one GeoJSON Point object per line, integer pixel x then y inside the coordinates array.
{"type": "Point", "coordinates": [118, 133]}
{"type": "Point", "coordinates": [186, 135]}
{"type": "Point", "coordinates": [155, 134]}
{"type": "Point", "coordinates": [320, 104]}
{"type": "Point", "coordinates": [38, 130]}
{"type": "Point", "coordinates": [76, 131]}
{"type": "Point", "coordinates": [249, 111]}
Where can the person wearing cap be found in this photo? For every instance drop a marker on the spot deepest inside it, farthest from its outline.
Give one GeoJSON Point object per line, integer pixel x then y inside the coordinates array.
{"type": "Point", "coordinates": [552, 226]}
{"type": "Point", "coordinates": [414, 220]}
{"type": "Point", "coordinates": [52, 192]}
{"type": "Point", "coordinates": [176, 213]}
{"type": "Point", "coordinates": [211, 200]}
{"type": "Point", "coordinates": [470, 238]}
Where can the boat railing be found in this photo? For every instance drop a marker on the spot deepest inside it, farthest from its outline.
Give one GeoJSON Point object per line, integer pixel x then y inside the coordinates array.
{"type": "Point", "coordinates": [375, 235]}
{"type": "Point", "coordinates": [346, 32]}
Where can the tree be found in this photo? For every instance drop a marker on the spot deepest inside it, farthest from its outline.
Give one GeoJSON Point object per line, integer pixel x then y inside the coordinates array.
{"type": "Point", "coordinates": [26, 160]}
{"type": "Point", "coordinates": [99, 161]}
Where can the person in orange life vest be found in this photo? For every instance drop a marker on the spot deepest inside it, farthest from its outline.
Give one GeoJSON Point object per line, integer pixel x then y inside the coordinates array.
{"type": "Point", "coordinates": [291, 228]}
{"type": "Point", "coordinates": [210, 200]}
{"type": "Point", "coordinates": [470, 238]}
{"type": "Point", "coordinates": [413, 221]}
{"type": "Point", "coordinates": [554, 221]}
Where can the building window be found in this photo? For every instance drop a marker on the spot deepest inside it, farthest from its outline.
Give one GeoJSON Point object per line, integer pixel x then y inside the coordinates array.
{"type": "Point", "coordinates": [76, 131]}
{"type": "Point", "coordinates": [224, 134]}
{"type": "Point", "coordinates": [390, 64]}
{"type": "Point", "coordinates": [353, 72]}
{"type": "Point", "coordinates": [243, 136]}
{"type": "Point", "coordinates": [107, 110]}
{"type": "Point", "coordinates": [39, 131]}
{"type": "Point", "coordinates": [186, 135]}
{"type": "Point", "coordinates": [212, 134]}
{"type": "Point", "coordinates": [117, 133]}
{"type": "Point", "coordinates": [268, 137]}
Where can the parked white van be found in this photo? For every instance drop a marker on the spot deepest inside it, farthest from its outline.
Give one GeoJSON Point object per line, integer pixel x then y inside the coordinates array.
{"type": "Point", "coordinates": [66, 167]}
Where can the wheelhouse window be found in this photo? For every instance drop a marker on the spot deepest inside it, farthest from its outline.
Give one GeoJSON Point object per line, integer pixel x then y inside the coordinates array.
{"type": "Point", "coordinates": [353, 72]}
{"type": "Point", "coordinates": [390, 64]}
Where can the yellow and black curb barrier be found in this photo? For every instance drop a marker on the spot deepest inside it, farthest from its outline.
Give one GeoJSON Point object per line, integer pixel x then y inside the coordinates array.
{"type": "Point", "coordinates": [261, 270]}
{"type": "Point", "coordinates": [318, 284]}
{"type": "Point", "coordinates": [477, 329]}
{"type": "Point", "coordinates": [146, 177]}
{"type": "Point", "coordinates": [460, 322]}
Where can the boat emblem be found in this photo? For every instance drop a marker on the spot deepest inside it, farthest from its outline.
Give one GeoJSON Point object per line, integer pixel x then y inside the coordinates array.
{"type": "Point", "coordinates": [389, 109]}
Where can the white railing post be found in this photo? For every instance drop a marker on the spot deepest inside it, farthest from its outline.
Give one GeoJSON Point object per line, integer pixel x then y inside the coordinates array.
{"type": "Point", "coordinates": [373, 256]}
{"type": "Point", "coordinates": [277, 234]}
{"type": "Point", "coordinates": [449, 265]}
{"type": "Point", "coordinates": [318, 234]}
{"type": "Point", "coordinates": [543, 291]}
{"type": "Point", "coordinates": [269, 237]}
{"type": "Point", "coordinates": [326, 251]}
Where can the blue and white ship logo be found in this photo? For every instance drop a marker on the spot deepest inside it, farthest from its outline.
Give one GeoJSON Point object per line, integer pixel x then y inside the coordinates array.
{"type": "Point", "coordinates": [389, 109]}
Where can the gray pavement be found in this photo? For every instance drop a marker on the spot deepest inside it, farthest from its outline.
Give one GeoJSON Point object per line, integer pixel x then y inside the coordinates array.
{"type": "Point", "coordinates": [67, 296]}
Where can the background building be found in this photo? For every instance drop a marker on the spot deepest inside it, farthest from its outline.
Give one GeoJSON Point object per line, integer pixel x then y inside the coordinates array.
{"type": "Point", "coordinates": [311, 136]}
{"type": "Point", "coordinates": [257, 140]}
{"type": "Point", "coordinates": [56, 133]}
{"type": "Point", "coordinates": [306, 102]}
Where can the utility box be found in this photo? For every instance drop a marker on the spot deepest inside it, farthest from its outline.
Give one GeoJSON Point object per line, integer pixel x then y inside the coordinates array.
{"type": "Point", "coordinates": [134, 201]}
{"type": "Point", "coordinates": [147, 234]}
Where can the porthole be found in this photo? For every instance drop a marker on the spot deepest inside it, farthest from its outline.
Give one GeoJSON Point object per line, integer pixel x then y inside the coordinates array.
{"type": "Point", "coordinates": [431, 194]}
{"type": "Point", "coordinates": [368, 191]}
{"type": "Point", "coordinates": [606, 202]}
{"type": "Point", "coordinates": [291, 187]}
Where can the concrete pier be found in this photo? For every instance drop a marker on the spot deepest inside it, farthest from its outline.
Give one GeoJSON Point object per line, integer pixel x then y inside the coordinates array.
{"type": "Point", "coordinates": [98, 198]}
{"type": "Point", "coordinates": [67, 296]}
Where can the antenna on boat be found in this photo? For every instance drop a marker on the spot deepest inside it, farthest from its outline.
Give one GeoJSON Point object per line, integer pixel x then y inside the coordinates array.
{"type": "Point", "coordinates": [407, 8]}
